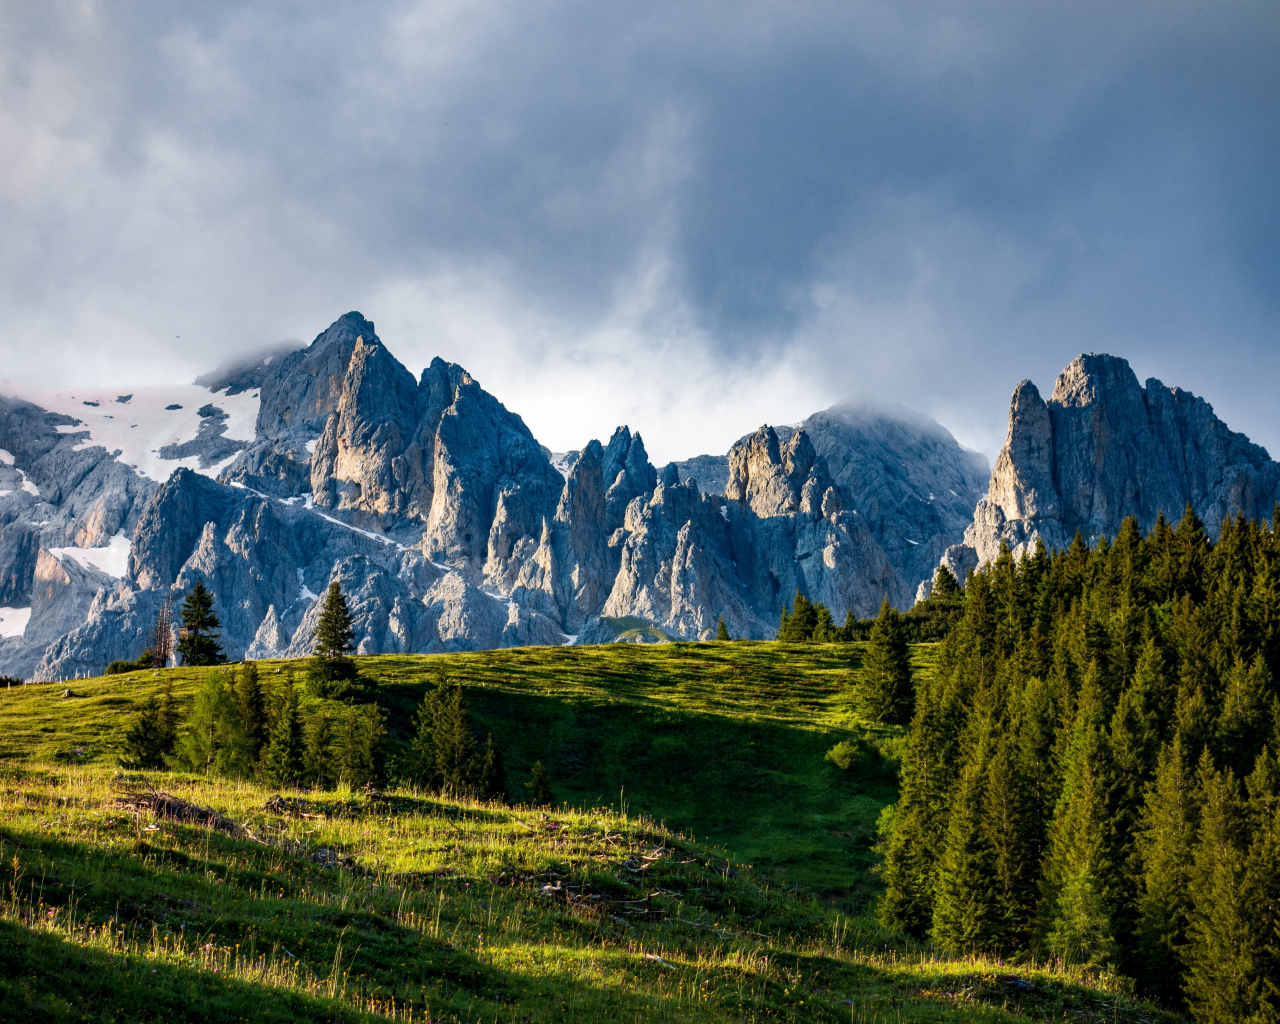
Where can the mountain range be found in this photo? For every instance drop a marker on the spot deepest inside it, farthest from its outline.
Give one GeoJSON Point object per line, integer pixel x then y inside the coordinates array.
{"type": "Point", "coordinates": [449, 527]}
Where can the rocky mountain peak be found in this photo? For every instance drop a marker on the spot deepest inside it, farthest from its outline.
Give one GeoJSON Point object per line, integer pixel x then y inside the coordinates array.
{"type": "Point", "coordinates": [1104, 447]}
{"type": "Point", "coordinates": [776, 478]}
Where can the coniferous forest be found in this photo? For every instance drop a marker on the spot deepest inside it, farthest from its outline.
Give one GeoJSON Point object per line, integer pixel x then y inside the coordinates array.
{"type": "Point", "coordinates": [1092, 772]}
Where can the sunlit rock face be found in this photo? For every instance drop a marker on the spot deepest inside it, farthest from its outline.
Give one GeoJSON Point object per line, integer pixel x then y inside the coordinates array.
{"type": "Point", "coordinates": [1104, 447]}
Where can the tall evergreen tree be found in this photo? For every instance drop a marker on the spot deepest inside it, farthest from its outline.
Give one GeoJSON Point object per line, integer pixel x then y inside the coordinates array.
{"type": "Point", "coordinates": [152, 733]}
{"type": "Point", "coordinates": [282, 760]}
{"type": "Point", "coordinates": [1262, 883]}
{"type": "Point", "coordinates": [317, 753]}
{"type": "Point", "coordinates": [445, 753]}
{"type": "Point", "coordinates": [332, 670]}
{"type": "Point", "coordinates": [722, 631]}
{"type": "Point", "coordinates": [1245, 723]}
{"type": "Point", "coordinates": [919, 829]}
{"type": "Point", "coordinates": [966, 915]}
{"type": "Point", "coordinates": [797, 626]}
{"type": "Point", "coordinates": [945, 586]}
{"type": "Point", "coordinates": [1080, 864]}
{"type": "Point", "coordinates": [1222, 985]}
{"type": "Point", "coordinates": [213, 741]}
{"type": "Point", "coordinates": [362, 746]}
{"type": "Point", "coordinates": [825, 630]}
{"type": "Point", "coordinates": [252, 706]}
{"type": "Point", "coordinates": [1168, 827]}
{"type": "Point", "coordinates": [198, 638]}
{"type": "Point", "coordinates": [1011, 827]}
{"type": "Point", "coordinates": [885, 692]}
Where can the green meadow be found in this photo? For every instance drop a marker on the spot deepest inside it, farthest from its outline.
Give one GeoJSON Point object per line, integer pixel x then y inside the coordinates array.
{"type": "Point", "coordinates": [706, 861]}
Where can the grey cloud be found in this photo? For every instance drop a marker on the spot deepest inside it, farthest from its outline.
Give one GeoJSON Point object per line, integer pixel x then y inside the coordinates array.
{"type": "Point", "coordinates": [918, 203]}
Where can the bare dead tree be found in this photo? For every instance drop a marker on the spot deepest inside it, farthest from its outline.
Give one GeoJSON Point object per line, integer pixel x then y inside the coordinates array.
{"type": "Point", "coordinates": [162, 643]}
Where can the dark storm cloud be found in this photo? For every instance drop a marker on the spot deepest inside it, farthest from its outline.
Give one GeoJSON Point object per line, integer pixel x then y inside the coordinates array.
{"type": "Point", "coordinates": [692, 216]}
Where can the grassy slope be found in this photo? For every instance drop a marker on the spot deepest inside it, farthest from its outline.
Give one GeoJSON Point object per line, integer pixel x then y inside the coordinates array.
{"type": "Point", "coordinates": [112, 916]}
{"type": "Point", "coordinates": [721, 740]}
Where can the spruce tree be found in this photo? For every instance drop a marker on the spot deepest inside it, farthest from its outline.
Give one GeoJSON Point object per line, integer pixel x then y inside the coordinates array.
{"type": "Point", "coordinates": [143, 744]}
{"type": "Point", "coordinates": [492, 781]}
{"type": "Point", "coordinates": [332, 670]}
{"type": "Point", "coordinates": [282, 760]}
{"type": "Point", "coordinates": [1080, 871]}
{"type": "Point", "coordinates": [797, 627]}
{"type": "Point", "coordinates": [919, 828]}
{"type": "Point", "coordinates": [945, 586]}
{"type": "Point", "coordinates": [456, 760]}
{"type": "Point", "coordinates": [539, 787]}
{"type": "Point", "coordinates": [966, 914]}
{"type": "Point", "coordinates": [362, 746]}
{"type": "Point", "coordinates": [884, 689]}
{"type": "Point", "coordinates": [1011, 831]}
{"type": "Point", "coordinates": [1221, 985]}
{"type": "Point", "coordinates": [1245, 723]}
{"type": "Point", "coordinates": [213, 743]}
{"type": "Point", "coordinates": [252, 706]}
{"type": "Point", "coordinates": [198, 638]}
{"type": "Point", "coordinates": [317, 757]}
{"type": "Point", "coordinates": [722, 631]}
{"type": "Point", "coordinates": [1262, 881]}
{"type": "Point", "coordinates": [824, 627]}
{"type": "Point", "coordinates": [1168, 827]}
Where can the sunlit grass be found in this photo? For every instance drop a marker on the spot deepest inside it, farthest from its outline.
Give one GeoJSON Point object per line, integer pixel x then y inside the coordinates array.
{"type": "Point", "coordinates": [443, 910]}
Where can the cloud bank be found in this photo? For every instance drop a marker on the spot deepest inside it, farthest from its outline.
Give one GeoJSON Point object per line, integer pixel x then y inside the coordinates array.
{"type": "Point", "coordinates": [690, 217]}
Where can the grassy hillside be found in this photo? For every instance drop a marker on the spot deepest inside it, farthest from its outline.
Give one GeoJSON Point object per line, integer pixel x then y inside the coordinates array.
{"type": "Point", "coordinates": [336, 906]}
{"type": "Point", "coordinates": [727, 740]}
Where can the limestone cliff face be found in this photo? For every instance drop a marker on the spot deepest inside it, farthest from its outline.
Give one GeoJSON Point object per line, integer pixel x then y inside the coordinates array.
{"type": "Point", "coordinates": [366, 457]}
{"type": "Point", "coordinates": [438, 459]}
{"type": "Point", "coordinates": [676, 567]}
{"type": "Point", "coordinates": [688, 558]}
{"type": "Point", "coordinates": [907, 477]}
{"type": "Point", "coordinates": [1104, 447]}
{"type": "Point", "coordinates": [628, 474]}
{"type": "Point", "coordinates": [298, 392]}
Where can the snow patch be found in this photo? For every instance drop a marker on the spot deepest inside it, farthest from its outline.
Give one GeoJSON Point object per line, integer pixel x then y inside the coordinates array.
{"type": "Point", "coordinates": [5, 457]}
{"type": "Point", "coordinates": [914, 543]}
{"type": "Point", "coordinates": [305, 594]}
{"type": "Point", "coordinates": [355, 529]}
{"type": "Point", "coordinates": [148, 424]}
{"type": "Point", "coordinates": [13, 622]}
{"type": "Point", "coordinates": [311, 446]}
{"type": "Point", "coordinates": [112, 559]}
{"type": "Point", "coordinates": [724, 511]}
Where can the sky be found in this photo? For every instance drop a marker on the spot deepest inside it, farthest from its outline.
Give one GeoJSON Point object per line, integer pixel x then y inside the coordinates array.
{"type": "Point", "coordinates": [690, 217]}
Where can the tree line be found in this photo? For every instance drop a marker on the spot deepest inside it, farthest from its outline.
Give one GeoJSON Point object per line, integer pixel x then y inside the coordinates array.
{"type": "Point", "coordinates": [1092, 769]}
{"type": "Point", "coordinates": [928, 621]}
{"type": "Point", "coordinates": [242, 725]}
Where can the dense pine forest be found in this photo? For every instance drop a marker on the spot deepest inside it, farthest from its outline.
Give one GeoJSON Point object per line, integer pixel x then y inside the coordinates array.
{"type": "Point", "coordinates": [1092, 772]}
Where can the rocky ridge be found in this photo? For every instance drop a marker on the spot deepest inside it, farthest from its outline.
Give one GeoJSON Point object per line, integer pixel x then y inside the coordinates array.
{"type": "Point", "coordinates": [1104, 447]}
{"type": "Point", "coordinates": [444, 520]}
